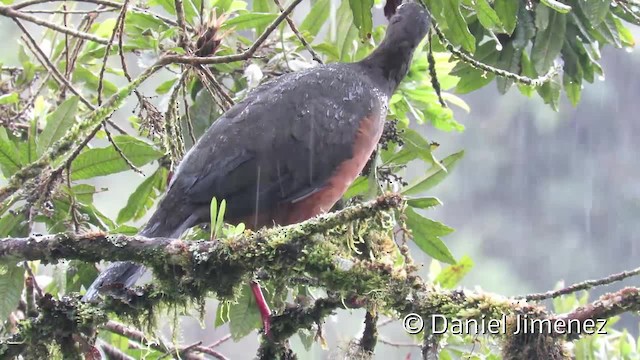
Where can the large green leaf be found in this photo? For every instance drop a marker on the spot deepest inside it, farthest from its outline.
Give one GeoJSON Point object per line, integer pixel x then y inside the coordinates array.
{"type": "Point", "coordinates": [244, 316]}
{"type": "Point", "coordinates": [361, 10]}
{"type": "Point", "coordinates": [434, 175]}
{"type": "Point", "coordinates": [548, 42]}
{"type": "Point", "coordinates": [457, 26]}
{"type": "Point", "coordinates": [488, 16]}
{"type": "Point", "coordinates": [318, 15]}
{"type": "Point", "coordinates": [106, 161]}
{"type": "Point", "coordinates": [507, 11]}
{"type": "Point", "coordinates": [142, 199]}
{"type": "Point", "coordinates": [9, 156]}
{"type": "Point", "coordinates": [426, 234]}
{"type": "Point", "coordinates": [58, 122]}
{"type": "Point", "coordinates": [594, 10]}
{"type": "Point", "coordinates": [11, 284]}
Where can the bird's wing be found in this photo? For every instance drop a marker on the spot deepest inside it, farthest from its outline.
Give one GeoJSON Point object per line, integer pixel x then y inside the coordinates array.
{"type": "Point", "coordinates": [280, 144]}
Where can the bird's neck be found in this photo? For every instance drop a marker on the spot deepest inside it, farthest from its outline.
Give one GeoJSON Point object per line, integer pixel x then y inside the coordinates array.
{"type": "Point", "coordinates": [389, 63]}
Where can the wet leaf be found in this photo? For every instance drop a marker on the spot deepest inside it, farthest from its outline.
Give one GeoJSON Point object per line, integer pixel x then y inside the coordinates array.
{"type": "Point", "coordinates": [244, 316]}
{"type": "Point", "coordinates": [58, 122]}
{"type": "Point", "coordinates": [594, 10]}
{"type": "Point", "coordinates": [548, 42]}
{"type": "Point", "coordinates": [453, 274]}
{"type": "Point", "coordinates": [316, 18]}
{"type": "Point", "coordinates": [361, 10]}
{"type": "Point", "coordinates": [458, 29]}
{"type": "Point", "coordinates": [557, 6]}
{"type": "Point", "coordinates": [488, 16]}
{"type": "Point", "coordinates": [424, 203]}
{"type": "Point", "coordinates": [143, 198]}
{"type": "Point", "coordinates": [434, 175]}
{"type": "Point", "coordinates": [507, 11]}
{"type": "Point", "coordinates": [10, 98]}
{"type": "Point", "coordinates": [426, 234]}
{"type": "Point", "coordinates": [11, 285]}
{"type": "Point", "coordinates": [9, 156]}
{"type": "Point", "coordinates": [106, 161]}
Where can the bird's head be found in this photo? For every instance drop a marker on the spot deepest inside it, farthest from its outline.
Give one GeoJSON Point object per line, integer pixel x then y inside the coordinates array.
{"type": "Point", "coordinates": [409, 25]}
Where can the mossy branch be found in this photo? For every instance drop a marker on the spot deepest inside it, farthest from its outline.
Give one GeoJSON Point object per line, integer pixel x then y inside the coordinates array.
{"type": "Point", "coordinates": [319, 249]}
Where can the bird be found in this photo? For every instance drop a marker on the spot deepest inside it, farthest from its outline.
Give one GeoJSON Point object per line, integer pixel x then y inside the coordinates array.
{"type": "Point", "coordinates": [289, 150]}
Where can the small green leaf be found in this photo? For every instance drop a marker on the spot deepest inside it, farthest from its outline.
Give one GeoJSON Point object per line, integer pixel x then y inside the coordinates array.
{"type": "Point", "coordinates": [142, 199]}
{"type": "Point", "coordinates": [573, 88]}
{"type": "Point", "coordinates": [557, 6]}
{"type": "Point", "coordinates": [451, 276]}
{"type": "Point", "coordinates": [10, 98]}
{"type": "Point", "coordinates": [507, 11]}
{"type": "Point", "coordinates": [213, 214]}
{"type": "Point", "coordinates": [106, 161]}
{"type": "Point", "coordinates": [424, 203]}
{"type": "Point", "coordinates": [244, 316]}
{"type": "Point", "coordinates": [458, 29]}
{"type": "Point", "coordinates": [550, 92]}
{"type": "Point", "coordinates": [249, 20]}
{"type": "Point", "coordinates": [317, 16]}
{"type": "Point", "coordinates": [434, 176]}
{"type": "Point", "coordinates": [220, 218]}
{"type": "Point", "coordinates": [426, 234]}
{"type": "Point", "coordinates": [165, 87]}
{"type": "Point", "coordinates": [83, 193]}
{"type": "Point", "coordinates": [361, 10]}
{"type": "Point", "coordinates": [58, 122]}
{"type": "Point", "coordinates": [11, 285]}
{"type": "Point", "coordinates": [222, 313]}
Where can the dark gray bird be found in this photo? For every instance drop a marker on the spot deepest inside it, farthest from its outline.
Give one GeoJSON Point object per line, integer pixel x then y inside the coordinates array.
{"type": "Point", "coordinates": [290, 149]}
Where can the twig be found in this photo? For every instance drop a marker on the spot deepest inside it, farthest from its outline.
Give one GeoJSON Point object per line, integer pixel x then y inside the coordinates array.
{"type": "Point", "coordinates": [11, 13]}
{"type": "Point", "coordinates": [295, 30]}
{"type": "Point", "coordinates": [539, 81]}
{"type": "Point", "coordinates": [112, 4]}
{"type": "Point", "coordinates": [108, 49]}
{"type": "Point", "coordinates": [139, 337]}
{"type": "Point", "coordinates": [69, 12]}
{"type": "Point", "coordinates": [219, 341]}
{"type": "Point", "coordinates": [193, 60]}
{"type": "Point", "coordinates": [398, 344]}
{"type": "Point", "coordinates": [181, 24]}
{"type": "Point", "coordinates": [187, 116]}
{"type": "Point", "coordinates": [113, 352]}
{"type": "Point", "coordinates": [584, 285]}
{"type": "Point", "coordinates": [120, 152]}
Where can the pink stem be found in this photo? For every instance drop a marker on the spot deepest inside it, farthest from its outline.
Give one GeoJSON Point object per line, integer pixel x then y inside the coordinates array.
{"type": "Point", "coordinates": [265, 312]}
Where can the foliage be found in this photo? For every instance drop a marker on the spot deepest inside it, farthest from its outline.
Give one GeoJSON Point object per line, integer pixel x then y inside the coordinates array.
{"type": "Point", "coordinates": [523, 38]}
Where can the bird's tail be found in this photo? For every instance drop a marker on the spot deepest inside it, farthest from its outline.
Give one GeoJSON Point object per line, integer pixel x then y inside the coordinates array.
{"type": "Point", "coordinates": [165, 222]}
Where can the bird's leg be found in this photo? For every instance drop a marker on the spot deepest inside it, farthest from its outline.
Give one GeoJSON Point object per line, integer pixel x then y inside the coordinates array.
{"type": "Point", "coordinates": [265, 312]}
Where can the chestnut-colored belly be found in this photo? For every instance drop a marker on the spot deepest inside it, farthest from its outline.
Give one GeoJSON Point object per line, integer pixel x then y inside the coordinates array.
{"type": "Point", "coordinates": [365, 142]}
